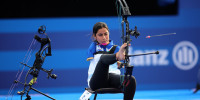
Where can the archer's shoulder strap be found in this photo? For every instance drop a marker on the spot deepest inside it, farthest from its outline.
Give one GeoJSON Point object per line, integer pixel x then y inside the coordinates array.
{"type": "Point", "coordinates": [113, 49]}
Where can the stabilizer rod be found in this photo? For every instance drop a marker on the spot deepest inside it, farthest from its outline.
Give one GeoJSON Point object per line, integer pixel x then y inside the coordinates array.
{"type": "Point", "coordinates": [157, 52]}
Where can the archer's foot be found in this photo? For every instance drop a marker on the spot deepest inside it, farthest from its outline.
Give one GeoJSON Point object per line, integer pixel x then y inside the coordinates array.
{"type": "Point", "coordinates": [120, 55]}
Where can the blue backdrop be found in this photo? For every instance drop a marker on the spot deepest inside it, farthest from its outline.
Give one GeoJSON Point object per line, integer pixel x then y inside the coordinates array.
{"type": "Point", "coordinates": [175, 67]}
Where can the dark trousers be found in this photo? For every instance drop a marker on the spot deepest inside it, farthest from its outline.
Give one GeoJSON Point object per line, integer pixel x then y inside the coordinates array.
{"type": "Point", "coordinates": [103, 79]}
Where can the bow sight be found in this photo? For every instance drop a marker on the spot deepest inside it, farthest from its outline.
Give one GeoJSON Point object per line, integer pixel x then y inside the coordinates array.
{"type": "Point", "coordinates": [45, 50]}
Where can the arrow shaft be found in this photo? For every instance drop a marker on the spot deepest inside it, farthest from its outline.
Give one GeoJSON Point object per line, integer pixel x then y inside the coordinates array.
{"type": "Point", "coordinates": [163, 34]}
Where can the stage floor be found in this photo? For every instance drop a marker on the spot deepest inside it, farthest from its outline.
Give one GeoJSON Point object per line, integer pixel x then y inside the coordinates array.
{"type": "Point", "coordinates": [181, 94]}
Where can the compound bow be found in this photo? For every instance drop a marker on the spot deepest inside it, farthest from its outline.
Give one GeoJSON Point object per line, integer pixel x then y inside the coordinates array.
{"type": "Point", "coordinates": [126, 39]}
{"type": "Point", "coordinates": [45, 50]}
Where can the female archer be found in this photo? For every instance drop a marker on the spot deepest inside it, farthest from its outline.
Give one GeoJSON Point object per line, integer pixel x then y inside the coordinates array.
{"type": "Point", "coordinates": [104, 59]}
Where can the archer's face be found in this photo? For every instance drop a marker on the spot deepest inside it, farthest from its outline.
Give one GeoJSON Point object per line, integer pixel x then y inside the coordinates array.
{"type": "Point", "coordinates": [102, 36]}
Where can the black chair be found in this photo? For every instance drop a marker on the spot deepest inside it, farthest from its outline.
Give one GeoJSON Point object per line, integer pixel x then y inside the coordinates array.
{"type": "Point", "coordinates": [104, 91]}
